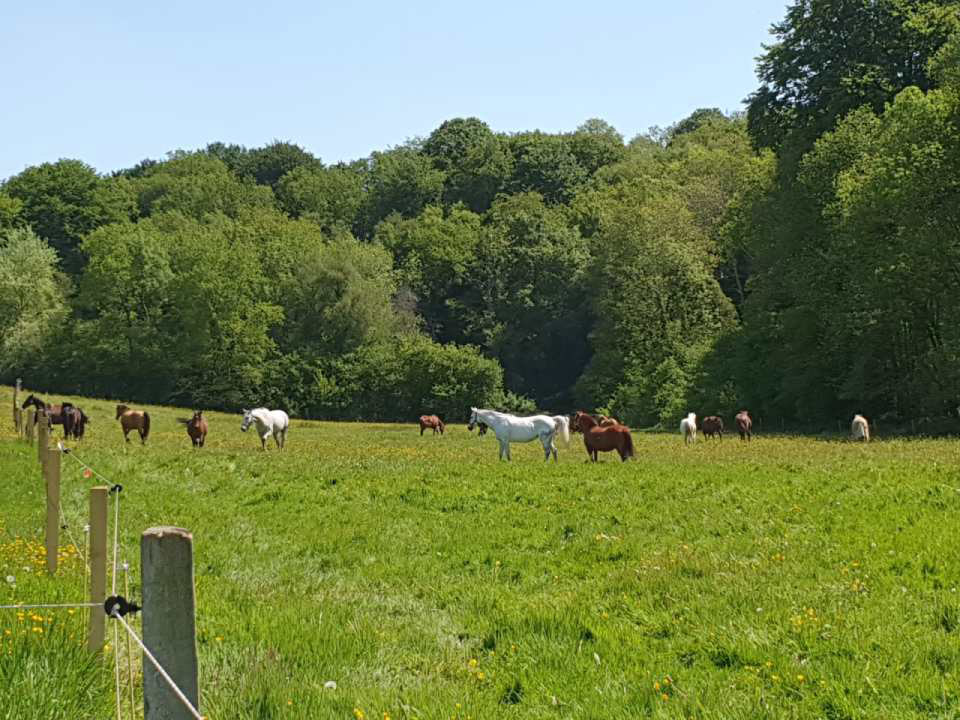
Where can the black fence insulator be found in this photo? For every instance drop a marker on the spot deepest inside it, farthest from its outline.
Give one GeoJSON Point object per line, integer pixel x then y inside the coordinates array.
{"type": "Point", "coordinates": [120, 605]}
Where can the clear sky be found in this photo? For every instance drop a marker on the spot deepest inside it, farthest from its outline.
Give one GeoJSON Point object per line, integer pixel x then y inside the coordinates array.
{"type": "Point", "coordinates": [112, 83]}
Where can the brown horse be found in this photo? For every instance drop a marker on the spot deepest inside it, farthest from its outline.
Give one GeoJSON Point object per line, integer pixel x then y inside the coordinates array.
{"type": "Point", "coordinates": [74, 421]}
{"type": "Point", "coordinates": [744, 425]}
{"type": "Point", "coordinates": [54, 412]}
{"type": "Point", "coordinates": [603, 439]}
{"type": "Point", "coordinates": [431, 421]}
{"type": "Point", "coordinates": [196, 428]}
{"type": "Point", "coordinates": [712, 425]}
{"type": "Point", "coordinates": [138, 420]}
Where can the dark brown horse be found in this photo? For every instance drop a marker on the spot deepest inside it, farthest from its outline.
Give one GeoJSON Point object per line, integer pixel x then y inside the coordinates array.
{"type": "Point", "coordinates": [599, 439]}
{"type": "Point", "coordinates": [712, 425]}
{"type": "Point", "coordinates": [138, 420]}
{"type": "Point", "coordinates": [744, 425]}
{"type": "Point", "coordinates": [58, 414]}
{"type": "Point", "coordinates": [431, 421]}
{"type": "Point", "coordinates": [74, 421]}
{"type": "Point", "coordinates": [196, 428]}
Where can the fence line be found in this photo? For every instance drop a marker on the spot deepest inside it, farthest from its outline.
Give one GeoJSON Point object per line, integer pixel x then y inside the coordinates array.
{"type": "Point", "coordinates": [93, 560]}
{"type": "Point", "coordinates": [49, 605]}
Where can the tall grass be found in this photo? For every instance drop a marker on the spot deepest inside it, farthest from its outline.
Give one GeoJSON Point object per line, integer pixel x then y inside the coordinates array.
{"type": "Point", "coordinates": [788, 577]}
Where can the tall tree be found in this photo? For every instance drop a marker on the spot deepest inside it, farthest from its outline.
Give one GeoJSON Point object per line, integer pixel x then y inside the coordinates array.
{"type": "Point", "coordinates": [545, 164]}
{"type": "Point", "coordinates": [65, 200]}
{"type": "Point", "coordinates": [831, 57]}
{"type": "Point", "coordinates": [33, 301]}
{"type": "Point", "coordinates": [475, 162]}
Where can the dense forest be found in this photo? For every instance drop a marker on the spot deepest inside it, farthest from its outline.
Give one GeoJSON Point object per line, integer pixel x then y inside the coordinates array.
{"type": "Point", "coordinates": [801, 258]}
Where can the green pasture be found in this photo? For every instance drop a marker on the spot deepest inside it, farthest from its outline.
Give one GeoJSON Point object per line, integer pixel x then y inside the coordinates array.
{"type": "Point", "coordinates": [790, 577]}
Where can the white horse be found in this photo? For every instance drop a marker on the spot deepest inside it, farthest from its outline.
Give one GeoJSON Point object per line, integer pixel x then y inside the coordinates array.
{"type": "Point", "coordinates": [510, 428]}
{"type": "Point", "coordinates": [268, 422]}
{"type": "Point", "coordinates": [688, 428]}
{"type": "Point", "coordinates": [564, 431]}
{"type": "Point", "coordinates": [860, 428]}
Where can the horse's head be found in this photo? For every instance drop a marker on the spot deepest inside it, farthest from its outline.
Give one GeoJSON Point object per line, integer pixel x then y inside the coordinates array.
{"type": "Point", "coordinates": [32, 400]}
{"type": "Point", "coordinates": [474, 419]}
{"type": "Point", "coordinates": [247, 419]}
{"type": "Point", "coordinates": [121, 409]}
{"type": "Point", "coordinates": [583, 421]}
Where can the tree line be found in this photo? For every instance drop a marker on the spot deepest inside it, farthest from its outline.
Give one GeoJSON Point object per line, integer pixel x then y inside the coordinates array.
{"type": "Point", "coordinates": [799, 259]}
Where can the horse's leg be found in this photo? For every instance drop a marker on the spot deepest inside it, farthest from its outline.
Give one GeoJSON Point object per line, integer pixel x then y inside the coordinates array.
{"type": "Point", "coordinates": [422, 428]}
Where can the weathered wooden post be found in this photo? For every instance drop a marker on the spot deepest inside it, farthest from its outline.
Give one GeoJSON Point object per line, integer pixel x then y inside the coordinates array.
{"type": "Point", "coordinates": [18, 421]}
{"type": "Point", "coordinates": [51, 476]}
{"type": "Point", "coordinates": [16, 393]}
{"type": "Point", "coordinates": [31, 418]}
{"type": "Point", "coordinates": [169, 623]}
{"type": "Point", "coordinates": [98, 565]}
{"type": "Point", "coordinates": [43, 435]}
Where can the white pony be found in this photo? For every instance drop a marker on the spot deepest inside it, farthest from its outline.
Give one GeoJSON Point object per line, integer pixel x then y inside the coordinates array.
{"type": "Point", "coordinates": [268, 422]}
{"type": "Point", "coordinates": [510, 428]}
{"type": "Point", "coordinates": [860, 428]}
{"type": "Point", "coordinates": [688, 428]}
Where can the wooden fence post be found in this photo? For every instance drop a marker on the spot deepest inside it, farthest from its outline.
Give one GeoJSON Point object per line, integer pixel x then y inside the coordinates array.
{"type": "Point", "coordinates": [51, 474]}
{"type": "Point", "coordinates": [18, 421]}
{"type": "Point", "coordinates": [43, 435]}
{"type": "Point", "coordinates": [16, 393]}
{"type": "Point", "coordinates": [31, 419]}
{"type": "Point", "coordinates": [169, 622]}
{"type": "Point", "coordinates": [98, 565]}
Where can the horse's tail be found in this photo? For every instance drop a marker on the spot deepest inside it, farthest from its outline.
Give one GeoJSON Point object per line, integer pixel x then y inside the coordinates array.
{"type": "Point", "coordinates": [627, 445]}
{"type": "Point", "coordinates": [146, 425]}
{"type": "Point", "coordinates": [562, 426]}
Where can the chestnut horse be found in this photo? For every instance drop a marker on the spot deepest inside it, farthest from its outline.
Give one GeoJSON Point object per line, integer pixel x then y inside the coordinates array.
{"type": "Point", "coordinates": [712, 425]}
{"type": "Point", "coordinates": [196, 428]}
{"type": "Point", "coordinates": [431, 421]}
{"type": "Point", "coordinates": [138, 420]}
{"type": "Point", "coordinates": [744, 425]}
{"type": "Point", "coordinates": [597, 438]}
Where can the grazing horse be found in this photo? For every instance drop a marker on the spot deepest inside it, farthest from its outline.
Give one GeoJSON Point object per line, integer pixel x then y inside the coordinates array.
{"type": "Point", "coordinates": [603, 438]}
{"type": "Point", "coordinates": [860, 428]}
{"type": "Point", "coordinates": [196, 428]}
{"type": "Point", "coordinates": [744, 425]}
{"type": "Point", "coordinates": [268, 422]}
{"type": "Point", "coordinates": [138, 420]}
{"type": "Point", "coordinates": [688, 428]}
{"type": "Point", "coordinates": [431, 421]}
{"type": "Point", "coordinates": [712, 425]}
{"type": "Point", "coordinates": [510, 428]}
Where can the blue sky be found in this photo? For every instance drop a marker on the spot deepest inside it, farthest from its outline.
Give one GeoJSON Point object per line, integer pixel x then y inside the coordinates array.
{"type": "Point", "coordinates": [112, 83]}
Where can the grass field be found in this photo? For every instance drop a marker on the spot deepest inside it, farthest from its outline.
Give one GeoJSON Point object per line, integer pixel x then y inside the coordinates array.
{"type": "Point", "coordinates": [791, 577]}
